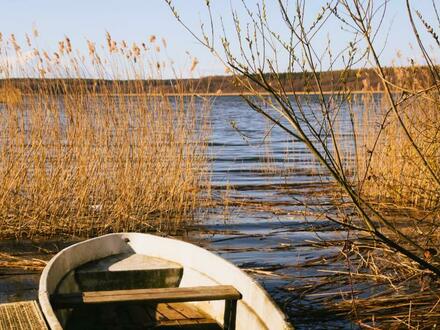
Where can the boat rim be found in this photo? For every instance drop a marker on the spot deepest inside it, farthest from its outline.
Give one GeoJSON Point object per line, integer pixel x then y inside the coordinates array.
{"type": "Point", "coordinates": [43, 294]}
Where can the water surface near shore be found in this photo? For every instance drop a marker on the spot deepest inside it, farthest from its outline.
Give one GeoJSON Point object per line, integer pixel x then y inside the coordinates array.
{"type": "Point", "coordinates": [273, 224]}
{"type": "Point", "coordinates": [262, 179]}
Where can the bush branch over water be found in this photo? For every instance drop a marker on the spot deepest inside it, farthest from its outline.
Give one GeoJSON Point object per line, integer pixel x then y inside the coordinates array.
{"type": "Point", "coordinates": [386, 167]}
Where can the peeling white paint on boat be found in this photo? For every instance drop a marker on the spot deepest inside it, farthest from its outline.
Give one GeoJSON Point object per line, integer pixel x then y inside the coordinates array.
{"type": "Point", "coordinates": [255, 311]}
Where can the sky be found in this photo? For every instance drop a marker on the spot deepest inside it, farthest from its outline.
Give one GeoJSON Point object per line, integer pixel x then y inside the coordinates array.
{"type": "Point", "coordinates": [137, 20]}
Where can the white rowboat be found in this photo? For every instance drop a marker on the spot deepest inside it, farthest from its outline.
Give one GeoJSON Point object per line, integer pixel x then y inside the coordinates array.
{"type": "Point", "coordinates": [153, 269]}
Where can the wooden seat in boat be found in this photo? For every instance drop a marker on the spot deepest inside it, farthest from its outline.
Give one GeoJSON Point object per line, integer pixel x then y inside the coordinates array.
{"type": "Point", "coordinates": [141, 316]}
{"type": "Point", "coordinates": [155, 296]}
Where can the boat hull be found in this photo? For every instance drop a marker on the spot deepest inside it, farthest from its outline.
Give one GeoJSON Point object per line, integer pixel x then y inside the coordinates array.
{"type": "Point", "coordinates": [256, 310]}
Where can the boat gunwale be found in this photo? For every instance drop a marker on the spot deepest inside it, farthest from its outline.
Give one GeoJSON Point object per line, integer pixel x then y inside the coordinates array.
{"type": "Point", "coordinates": [51, 318]}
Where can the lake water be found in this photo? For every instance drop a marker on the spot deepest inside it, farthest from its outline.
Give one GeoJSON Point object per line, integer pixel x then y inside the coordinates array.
{"type": "Point", "coordinates": [272, 223]}
{"type": "Point", "coordinates": [272, 199]}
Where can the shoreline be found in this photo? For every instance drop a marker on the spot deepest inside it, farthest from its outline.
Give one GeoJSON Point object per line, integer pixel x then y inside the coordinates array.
{"type": "Point", "coordinates": [221, 94]}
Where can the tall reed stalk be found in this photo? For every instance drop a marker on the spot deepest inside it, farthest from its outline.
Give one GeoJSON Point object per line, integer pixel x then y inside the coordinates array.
{"type": "Point", "coordinates": [86, 157]}
{"type": "Point", "coordinates": [391, 169]}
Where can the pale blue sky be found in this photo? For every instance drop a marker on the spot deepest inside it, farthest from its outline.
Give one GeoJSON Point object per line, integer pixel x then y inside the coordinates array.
{"type": "Point", "coordinates": [136, 20]}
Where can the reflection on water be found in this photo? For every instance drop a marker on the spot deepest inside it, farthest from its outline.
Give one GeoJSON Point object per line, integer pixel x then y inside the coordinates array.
{"type": "Point", "coordinates": [262, 182]}
{"type": "Point", "coordinates": [264, 226]}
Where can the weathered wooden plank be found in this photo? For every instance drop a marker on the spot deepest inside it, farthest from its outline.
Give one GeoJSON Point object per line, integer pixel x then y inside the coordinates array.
{"type": "Point", "coordinates": [23, 315]}
{"type": "Point", "coordinates": [186, 310]}
{"type": "Point", "coordinates": [162, 295]}
{"type": "Point", "coordinates": [171, 323]}
{"type": "Point", "coordinates": [188, 324]}
{"type": "Point", "coordinates": [135, 316]}
{"type": "Point", "coordinates": [169, 313]}
{"type": "Point", "coordinates": [154, 314]}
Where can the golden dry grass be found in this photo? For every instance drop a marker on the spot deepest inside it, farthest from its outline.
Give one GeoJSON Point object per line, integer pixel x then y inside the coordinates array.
{"type": "Point", "coordinates": [389, 163]}
{"type": "Point", "coordinates": [10, 95]}
{"type": "Point", "coordinates": [395, 178]}
{"type": "Point", "coordinates": [75, 160]}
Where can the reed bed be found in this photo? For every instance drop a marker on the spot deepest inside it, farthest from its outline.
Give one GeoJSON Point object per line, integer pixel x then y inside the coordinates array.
{"type": "Point", "coordinates": [367, 283]}
{"type": "Point", "coordinates": [10, 95]}
{"type": "Point", "coordinates": [9, 261]}
{"type": "Point", "coordinates": [390, 169]}
{"type": "Point", "coordinates": [402, 295]}
{"type": "Point", "coordinates": [86, 157]}
{"type": "Point", "coordinates": [393, 175]}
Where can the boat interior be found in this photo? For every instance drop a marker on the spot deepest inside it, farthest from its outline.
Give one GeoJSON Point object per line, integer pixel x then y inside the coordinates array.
{"type": "Point", "coordinates": [133, 291]}
{"type": "Point", "coordinates": [141, 281]}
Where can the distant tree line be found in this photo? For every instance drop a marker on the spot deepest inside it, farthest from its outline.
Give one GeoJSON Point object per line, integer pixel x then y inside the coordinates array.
{"type": "Point", "coordinates": [332, 81]}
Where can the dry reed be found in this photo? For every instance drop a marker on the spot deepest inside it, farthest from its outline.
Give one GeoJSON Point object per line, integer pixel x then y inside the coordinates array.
{"type": "Point", "coordinates": [389, 167]}
{"type": "Point", "coordinates": [86, 157]}
{"type": "Point", "coordinates": [405, 296]}
{"type": "Point", "coordinates": [10, 261]}
{"type": "Point", "coordinates": [9, 95]}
